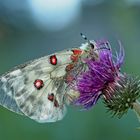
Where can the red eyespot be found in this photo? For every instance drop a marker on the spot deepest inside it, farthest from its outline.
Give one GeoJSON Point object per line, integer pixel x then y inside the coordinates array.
{"type": "Point", "coordinates": [74, 58]}
{"type": "Point", "coordinates": [56, 103]}
{"type": "Point", "coordinates": [69, 67]}
{"type": "Point", "coordinates": [53, 60]}
{"type": "Point", "coordinates": [38, 83]}
{"type": "Point", "coordinates": [77, 52]}
{"type": "Point", "coordinates": [69, 78]}
{"type": "Point", "coordinates": [51, 97]}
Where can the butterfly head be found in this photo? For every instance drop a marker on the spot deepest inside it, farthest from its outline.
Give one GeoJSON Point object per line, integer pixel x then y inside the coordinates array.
{"type": "Point", "coordinates": [91, 48]}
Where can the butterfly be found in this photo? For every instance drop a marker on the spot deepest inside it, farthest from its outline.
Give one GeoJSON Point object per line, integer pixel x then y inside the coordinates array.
{"type": "Point", "coordinates": [41, 89]}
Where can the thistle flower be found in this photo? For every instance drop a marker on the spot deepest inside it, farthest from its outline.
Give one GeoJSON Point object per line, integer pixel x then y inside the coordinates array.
{"type": "Point", "coordinates": [103, 78]}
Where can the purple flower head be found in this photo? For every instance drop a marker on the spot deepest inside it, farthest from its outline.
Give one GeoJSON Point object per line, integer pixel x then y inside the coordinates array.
{"type": "Point", "coordinates": [101, 77]}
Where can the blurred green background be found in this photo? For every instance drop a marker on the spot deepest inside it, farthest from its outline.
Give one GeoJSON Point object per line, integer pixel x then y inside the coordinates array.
{"type": "Point", "coordinates": [33, 28]}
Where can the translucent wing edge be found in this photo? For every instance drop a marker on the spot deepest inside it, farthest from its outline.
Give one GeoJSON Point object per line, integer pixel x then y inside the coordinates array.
{"type": "Point", "coordinates": [6, 98]}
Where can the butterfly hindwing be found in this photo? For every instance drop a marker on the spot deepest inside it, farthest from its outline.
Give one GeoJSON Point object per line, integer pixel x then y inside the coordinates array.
{"type": "Point", "coordinates": [37, 88]}
{"type": "Point", "coordinates": [40, 89]}
{"type": "Point", "coordinates": [6, 96]}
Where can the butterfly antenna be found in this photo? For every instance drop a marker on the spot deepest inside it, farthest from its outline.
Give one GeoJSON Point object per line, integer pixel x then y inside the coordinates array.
{"type": "Point", "coordinates": [85, 38]}
{"type": "Point", "coordinates": [92, 45]}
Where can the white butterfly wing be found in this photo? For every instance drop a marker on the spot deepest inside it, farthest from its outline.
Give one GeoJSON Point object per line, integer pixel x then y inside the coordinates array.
{"type": "Point", "coordinates": [18, 91]}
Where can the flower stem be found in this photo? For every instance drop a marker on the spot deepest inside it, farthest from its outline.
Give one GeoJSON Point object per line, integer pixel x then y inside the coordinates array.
{"type": "Point", "coordinates": [136, 108]}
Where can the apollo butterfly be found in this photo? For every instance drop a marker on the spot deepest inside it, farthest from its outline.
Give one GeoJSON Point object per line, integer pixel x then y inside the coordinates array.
{"type": "Point", "coordinates": [41, 89]}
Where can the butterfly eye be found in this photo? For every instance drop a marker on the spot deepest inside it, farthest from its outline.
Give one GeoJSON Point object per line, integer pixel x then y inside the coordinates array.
{"type": "Point", "coordinates": [92, 45]}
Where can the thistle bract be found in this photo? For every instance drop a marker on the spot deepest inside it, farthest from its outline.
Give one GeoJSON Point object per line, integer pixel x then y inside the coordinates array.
{"type": "Point", "coordinates": [125, 96]}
